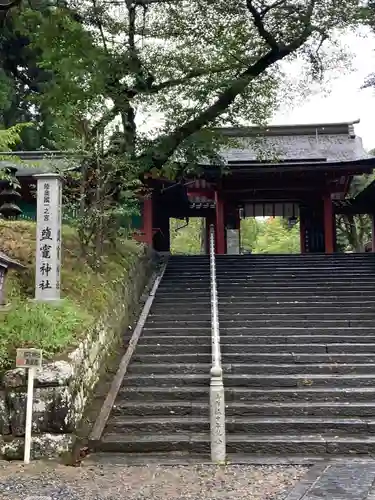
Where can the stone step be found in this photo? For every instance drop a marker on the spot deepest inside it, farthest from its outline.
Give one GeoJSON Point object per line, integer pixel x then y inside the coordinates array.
{"type": "Point", "coordinates": [262, 295]}
{"type": "Point", "coordinates": [272, 320]}
{"type": "Point", "coordinates": [292, 287]}
{"type": "Point", "coordinates": [278, 320]}
{"type": "Point", "coordinates": [285, 444]}
{"type": "Point", "coordinates": [257, 381]}
{"type": "Point", "coordinates": [245, 368]}
{"type": "Point", "coordinates": [222, 279]}
{"type": "Point", "coordinates": [286, 294]}
{"type": "Point", "coordinates": [273, 358]}
{"type": "Point", "coordinates": [155, 393]}
{"type": "Point", "coordinates": [311, 267]}
{"type": "Point", "coordinates": [168, 409]}
{"type": "Point", "coordinates": [299, 380]}
{"type": "Point", "coordinates": [169, 380]}
{"type": "Point", "coordinates": [253, 338]}
{"type": "Point", "coordinates": [172, 409]}
{"type": "Point", "coordinates": [185, 323]}
{"type": "Point", "coordinates": [271, 283]}
{"type": "Point", "coordinates": [249, 307]}
{"type": "Point", "coordinates": [259, 299]}
{"type": "Point", "coordinates": [284, 314]}
{"type": "Point", "coordinates": [333, 348]}
{"type": "Point", "coordinates": [179, 368]}
{"type": "Point", "coordinates": [129, 425]}
{"type": "Point", "coordinates": [271, 289]}
{"type": "Point", "coordinates": [147, 339]}
{"type": "Point", "coordinates": [264, 333]}
{"type": "Point", "coordinates": [261, 444]}
{"type": "Point", "coordinates": [306, 393]}
{"type": "Point", "coordinates": [250, 395]}
{"type": "Point", "coordinates": [336, 348]}
{"type": "Point", "coordinates": [246, 424]}
{"type": "Point", "coordinates": [173, 348]}
{"type": "Point", "coordinates": [297, 409]}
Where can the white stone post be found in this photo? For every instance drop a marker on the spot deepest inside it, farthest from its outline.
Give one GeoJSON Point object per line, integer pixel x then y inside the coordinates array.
{"type": "Point", "coordinates": [217, 416]}
{"type": "Point", "coordinates": [48, 238]}
{"type": "Point", "coordinates": [217, 395]}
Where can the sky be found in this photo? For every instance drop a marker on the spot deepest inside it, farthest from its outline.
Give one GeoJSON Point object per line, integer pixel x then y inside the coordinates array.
{"type": "Point", "coordinates": [346, 101]}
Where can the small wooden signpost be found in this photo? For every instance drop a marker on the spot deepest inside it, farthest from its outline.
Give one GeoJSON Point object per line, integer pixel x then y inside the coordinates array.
{"type": "Point", "coordinates": [29, 359]}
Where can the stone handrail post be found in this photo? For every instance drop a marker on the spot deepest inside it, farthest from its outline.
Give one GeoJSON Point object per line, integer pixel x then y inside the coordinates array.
{"type": "Point", "coordinates": [217, 397]}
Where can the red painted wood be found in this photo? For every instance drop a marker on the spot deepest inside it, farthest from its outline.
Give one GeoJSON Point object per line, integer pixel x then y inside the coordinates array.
{"type": "Point", "coordinates": [147, 221]}
{"type": "Point", "coordinates": [302, 231]}
{"type": "Point", "coordinates": [373, 233]}
{"type": "Point", "coordinates": [328, 225]}
{"type": "Point", "coordinates": [220, 229]}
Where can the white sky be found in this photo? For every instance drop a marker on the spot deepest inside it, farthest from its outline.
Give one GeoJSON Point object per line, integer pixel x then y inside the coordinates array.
{"type": "Point", "coordinates": [346, 100]}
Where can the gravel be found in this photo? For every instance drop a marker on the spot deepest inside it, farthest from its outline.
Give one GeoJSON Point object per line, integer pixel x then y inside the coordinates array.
{"type": "Point", "coordinates": [51, 481]}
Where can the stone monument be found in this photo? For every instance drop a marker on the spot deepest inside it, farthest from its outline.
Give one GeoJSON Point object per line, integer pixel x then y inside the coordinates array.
{"type": "Point", "coordinates": [48, 237]}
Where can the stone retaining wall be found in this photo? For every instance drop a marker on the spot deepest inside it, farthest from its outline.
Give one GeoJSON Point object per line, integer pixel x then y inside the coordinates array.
{"type": "Point", "coordinates": [64, 387]}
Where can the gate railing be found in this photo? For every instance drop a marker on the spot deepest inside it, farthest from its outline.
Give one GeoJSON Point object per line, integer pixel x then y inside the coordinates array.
{"type": "Point", "coordinates": [217, 398]}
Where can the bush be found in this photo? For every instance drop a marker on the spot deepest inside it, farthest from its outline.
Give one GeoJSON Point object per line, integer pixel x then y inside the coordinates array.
{"type": "Point", "coordinates": [87, 294]}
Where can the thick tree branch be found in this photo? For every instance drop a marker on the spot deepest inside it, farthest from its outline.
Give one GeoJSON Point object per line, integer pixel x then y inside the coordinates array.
{"type": "Point", "coordinates": [189, 76]}
{"type": "Point", "coordinates": [274, 5]}
{"type": "Point", "coordinates": [164, 147]}
{"type": "Point", "coordinates": [259, 24]}
{"type": "Point", "coordinates": [149, 2]}
{"type": "Point", "coordinates": [105, 120]}
{"type": "Point", "coordinates": [100, 26]}
{"type": "Point", "coordinates": [6, 5]}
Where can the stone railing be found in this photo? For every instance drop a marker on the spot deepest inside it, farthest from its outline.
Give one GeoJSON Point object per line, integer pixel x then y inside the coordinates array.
{"type": "Point", "coordinates": [217, 398]}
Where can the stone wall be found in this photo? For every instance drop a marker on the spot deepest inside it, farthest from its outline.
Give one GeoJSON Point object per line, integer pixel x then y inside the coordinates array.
{"type": "Point", "coordinates": [64, 387]}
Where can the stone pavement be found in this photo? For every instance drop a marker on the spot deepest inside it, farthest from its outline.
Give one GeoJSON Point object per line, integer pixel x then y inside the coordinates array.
{"type": "Point", "coordinates": [337, 480]}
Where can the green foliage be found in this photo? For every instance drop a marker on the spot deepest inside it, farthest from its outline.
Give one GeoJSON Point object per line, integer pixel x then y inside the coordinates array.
{"type": "Point", "coordinates": [50, 328]}
{"type": "Point", "coordinates": [198, 63]}
{"type": "Point", "coordinates": [275, 237]}
{"type": "Point", "coordinates": [257, 235]}
{"type": "Point", "coordinates": [10, 137]}
{"type": "Point", "coordinates": [250, 230]}
{"type": "Point", "coordinates": [88, 294]}
{"type": "Point", "coordinates": [353, 232]}
{"type": "Point", "coordinates": [189, 239]}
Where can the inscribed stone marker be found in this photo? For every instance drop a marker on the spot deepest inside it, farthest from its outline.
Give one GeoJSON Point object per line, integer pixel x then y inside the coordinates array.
{"type": "Point", "coordinates": [48, 237]}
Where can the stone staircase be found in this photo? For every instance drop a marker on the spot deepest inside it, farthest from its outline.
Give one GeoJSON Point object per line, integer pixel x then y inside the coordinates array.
{"type": "Point", "coordinates": [298, 347]}
{"type": "Point", "coordinates": [163, 403]}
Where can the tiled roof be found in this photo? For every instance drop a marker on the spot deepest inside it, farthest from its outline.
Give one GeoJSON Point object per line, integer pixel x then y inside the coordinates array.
{"type": "Point", "coordinates": [30, 163]}
{"type": "Point", "coordinates": [330, 142]}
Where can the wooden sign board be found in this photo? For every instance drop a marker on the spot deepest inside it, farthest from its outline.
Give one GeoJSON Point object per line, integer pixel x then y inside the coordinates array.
{"type": "Point", "coordinates": [29, 358]}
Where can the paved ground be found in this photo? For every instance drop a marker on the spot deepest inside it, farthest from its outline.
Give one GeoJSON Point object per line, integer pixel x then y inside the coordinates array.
{"type": "Point", "coordinates": [342, 480]}
{"type": "Point", "coordinates": [339, 480]}
{"type": "Point", "coordinates": [48, 481]}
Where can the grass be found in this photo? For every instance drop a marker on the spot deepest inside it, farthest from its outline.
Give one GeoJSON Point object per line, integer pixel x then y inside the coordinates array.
{"type": "Point", "coordinates": [87, 294]}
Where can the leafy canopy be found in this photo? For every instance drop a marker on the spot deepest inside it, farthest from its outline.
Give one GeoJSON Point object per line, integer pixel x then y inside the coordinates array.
{"type": "Point", "coordinates": [193, 63]}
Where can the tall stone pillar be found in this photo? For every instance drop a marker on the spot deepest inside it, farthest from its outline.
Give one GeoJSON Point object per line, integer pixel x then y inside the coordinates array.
{"type": "Point", "coordinates": [148, 220]}
{"type": "Point", "coordinates": [329, 233]}
{"type": "Point", "coordinates": [48, 238]}
{"type": "Point", "coordinates": [220, 224]}
{"type": "Point", "coordinates": [372, 232]}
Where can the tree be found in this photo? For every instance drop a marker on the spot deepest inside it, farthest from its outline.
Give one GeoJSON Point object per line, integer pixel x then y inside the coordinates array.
{"type": "Point", "coordinates": [276, 237]}
{"type": "Point", "coordinates": [6, 5]}
{"type": "Point", "coordinates": [199, 63]}
{"type": "Point", "coordinates": [354, 231]}
{"type": "Point", "coordinates": [21, 79]}
{"type": "Point", "coordinates": [187, 238]}
{"type": "Point", "coordinates": [250, 230]}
